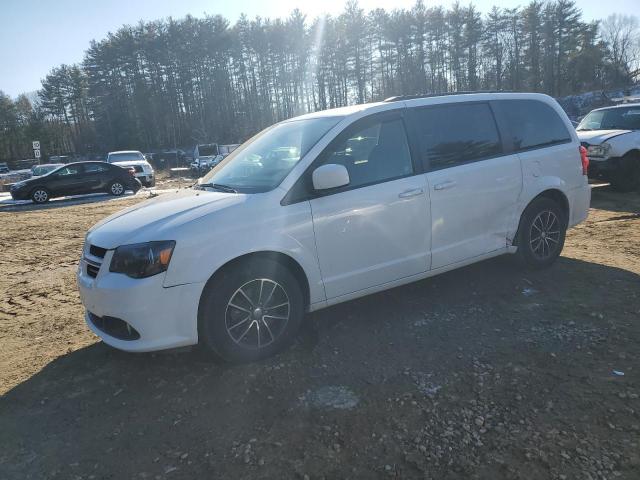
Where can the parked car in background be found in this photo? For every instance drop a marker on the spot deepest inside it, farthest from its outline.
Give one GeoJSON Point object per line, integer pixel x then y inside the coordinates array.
{"type": "Point", "coordinates": [227, 149]}
{"type": "Point", "coordinates": [169, 159]}
{"type": "Point", "coordinates": [331, 206]}
{"type": "Point", "coordinates": [200, 166]}
{"type": "Point", "coordinates": [4, 168]}
{"type": "Point", "coordinates": [75, 179]}
{"type": "Point", "coordinates": [136, 160]}
{"type": "Point", "coordinates": [611, 136]}
{"type": "Point", "coordinates": [39, 170]}
{"type": "Point", "coordinates": [204, 158]}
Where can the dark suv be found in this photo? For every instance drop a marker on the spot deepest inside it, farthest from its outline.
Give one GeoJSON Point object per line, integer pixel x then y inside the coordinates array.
{"type": "Point", "coordinates": [76, 179]}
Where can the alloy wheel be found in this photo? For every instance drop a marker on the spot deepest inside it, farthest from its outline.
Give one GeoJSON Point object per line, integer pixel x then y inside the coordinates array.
{"type": "Point", "coordinates": [40, 196]}
{"type": "Point", "coordinates": [257, 313]}
{"type": "Point", "coordinates": [117, 188]}
{"type": "Point", "coordinates": [545, 234]}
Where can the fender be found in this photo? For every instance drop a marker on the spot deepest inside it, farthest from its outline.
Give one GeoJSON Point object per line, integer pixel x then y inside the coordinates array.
{"type": "Point", "coordinates": [623, 144]}
{"type": "Point", "coordinates": [250, 227]}
{"type": "Point", "coordinates": [532, 188]}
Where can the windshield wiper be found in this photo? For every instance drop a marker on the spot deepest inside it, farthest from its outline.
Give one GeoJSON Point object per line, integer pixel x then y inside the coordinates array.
{"type": "Point", "coordinates": [218, 186]}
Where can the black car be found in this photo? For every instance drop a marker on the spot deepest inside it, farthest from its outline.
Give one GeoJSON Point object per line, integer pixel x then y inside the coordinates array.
{"type": "Point", "coordinates": [75, 179]}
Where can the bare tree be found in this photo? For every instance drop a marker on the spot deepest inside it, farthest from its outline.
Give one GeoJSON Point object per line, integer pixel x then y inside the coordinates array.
{"type": "Point", "coordinates": [621, 34]}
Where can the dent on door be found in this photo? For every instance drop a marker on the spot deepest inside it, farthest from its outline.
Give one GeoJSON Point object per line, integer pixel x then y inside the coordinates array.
{"type": "Point", "coordinates": [471, 208]}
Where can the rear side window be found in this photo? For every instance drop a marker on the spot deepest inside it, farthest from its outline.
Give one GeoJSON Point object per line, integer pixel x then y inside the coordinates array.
{"type": "Point", "coordinates": [533, 124]}
{"type": "Point", "coordinates": [454, 134]}
{"type": "Point", "coordinates": [70, 170]}
{"type": "Point", "coordinates": [95, 168]}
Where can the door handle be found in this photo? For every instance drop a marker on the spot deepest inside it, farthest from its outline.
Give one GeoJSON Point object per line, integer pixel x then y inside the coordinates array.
{"type": "Point", "coordinates": [414, 192]}
{"type": "Point", "coordinates": [444, 185]}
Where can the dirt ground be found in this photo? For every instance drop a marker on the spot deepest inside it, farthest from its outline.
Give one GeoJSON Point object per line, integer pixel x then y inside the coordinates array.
{"type": "Point", "coordinates": [485, 372]}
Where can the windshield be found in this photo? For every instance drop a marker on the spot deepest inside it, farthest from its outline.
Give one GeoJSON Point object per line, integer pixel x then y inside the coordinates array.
{"type": "Point", "coordinates": [207, 150]}
{"type": "Point", "coordinates": [125, 157]}
{"type": "Point", "coordinates": [265, 160]}
{"type": "Point", "coordinates": [612, 119]}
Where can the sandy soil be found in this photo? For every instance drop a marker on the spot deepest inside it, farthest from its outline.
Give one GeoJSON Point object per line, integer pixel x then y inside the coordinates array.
{"type": "Point", "coordinates": [485, 372]}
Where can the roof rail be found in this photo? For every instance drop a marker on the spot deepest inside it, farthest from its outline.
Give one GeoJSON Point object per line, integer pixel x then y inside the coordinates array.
{"type": "Point", "coordinates": [430, 95]}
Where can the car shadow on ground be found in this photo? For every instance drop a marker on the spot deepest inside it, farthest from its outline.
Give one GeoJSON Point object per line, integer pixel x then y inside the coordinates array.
{"type": "Point", "coordinates": [604, 197]}
{"type": "Point", "coordinates": [487, 333]}
{"type": "Point", "coordinates": [8, 205]}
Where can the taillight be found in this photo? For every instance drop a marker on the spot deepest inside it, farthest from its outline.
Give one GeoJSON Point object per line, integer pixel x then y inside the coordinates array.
{"type": "Point", "coordinates": [584, 159]}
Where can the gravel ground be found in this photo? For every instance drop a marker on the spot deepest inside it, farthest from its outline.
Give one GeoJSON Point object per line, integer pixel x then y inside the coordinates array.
{"type": "Point", "coordinates": [485, 372]}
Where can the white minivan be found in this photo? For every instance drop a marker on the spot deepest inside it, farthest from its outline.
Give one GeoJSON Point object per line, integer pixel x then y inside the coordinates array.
{"type": "Point", "coordinates": [331, 206]}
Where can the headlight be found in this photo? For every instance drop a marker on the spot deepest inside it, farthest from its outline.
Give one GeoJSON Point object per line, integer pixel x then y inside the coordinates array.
{"type": "Point", "coordinates": [142, 260]}
{"type": "Point", "coordinates": [599, 150]}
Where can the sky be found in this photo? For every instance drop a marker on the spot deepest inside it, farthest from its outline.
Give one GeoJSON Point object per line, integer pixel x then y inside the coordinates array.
{"type": "Point", "coordinates": [37, 35]}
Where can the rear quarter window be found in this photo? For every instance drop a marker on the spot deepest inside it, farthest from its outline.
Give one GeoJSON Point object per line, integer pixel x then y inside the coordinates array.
{"type": "Point", "coordinates": [531, 124]}
{"type": "Point", "coordinates": [95, 168]}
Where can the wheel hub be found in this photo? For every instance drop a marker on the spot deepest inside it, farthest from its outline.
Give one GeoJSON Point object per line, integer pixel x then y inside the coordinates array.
{"type": "Point", "coordinates": [545, 234]}
{"type": "Point", "coordinates": [257, 313]}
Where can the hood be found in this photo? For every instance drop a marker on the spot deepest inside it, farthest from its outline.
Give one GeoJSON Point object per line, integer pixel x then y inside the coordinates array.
{"type": "Point", "coordinates": [596, 137]}
{"type": "Point", "coordinates": [158, 218]}
{"type": "Point", "coordinates": [130, 163]}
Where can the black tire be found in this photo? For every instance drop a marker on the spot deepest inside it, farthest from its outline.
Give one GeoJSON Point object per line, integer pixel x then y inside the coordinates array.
{"type": "Point", "coordinates": [541, 234]}
{"type": "Point", "coordinates": [240, 331]}
{"type": "Point", "coordinates": [116, 188]}
{"type": "Point", "coordinates": [627, 177]}
{"type": "Point", "coordinates": [40, 195]}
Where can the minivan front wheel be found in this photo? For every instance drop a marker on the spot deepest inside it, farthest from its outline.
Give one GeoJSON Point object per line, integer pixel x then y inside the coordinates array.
{"type": "Point", "coordinates": [250, 311]}
{"type": "Point", "coordinates": [541, 233]}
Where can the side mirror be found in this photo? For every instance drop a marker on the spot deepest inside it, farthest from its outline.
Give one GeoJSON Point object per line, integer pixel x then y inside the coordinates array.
{"type": "Point", "coordinates": [331, 175]}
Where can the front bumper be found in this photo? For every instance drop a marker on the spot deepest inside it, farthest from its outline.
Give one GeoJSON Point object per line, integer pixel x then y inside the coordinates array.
{"type": "Point", "coordinates": [20, 194]}
{"type": "Point", "coordinates": [603, 167]}
{"type": "Point", "coordinates": [163, 317]}
{"type": "Point", "coordinates": [147, 179]}
{"type": "Point", "coordinates": [579, 203]}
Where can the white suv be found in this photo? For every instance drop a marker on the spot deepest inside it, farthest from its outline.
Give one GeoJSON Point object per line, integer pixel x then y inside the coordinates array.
{"type": "Point", "coordinates": [611, 136]}
{"type": "Point", "coordinates": [331, 206]}
{"type": "Point", "coordinates": [136, 160]}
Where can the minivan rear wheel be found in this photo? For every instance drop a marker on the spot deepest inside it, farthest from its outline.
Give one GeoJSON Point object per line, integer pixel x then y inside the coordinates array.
{"type": "Point", "coordinates": [541, 234]}
{"type": "Point", "coordinates": [250, 311]}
